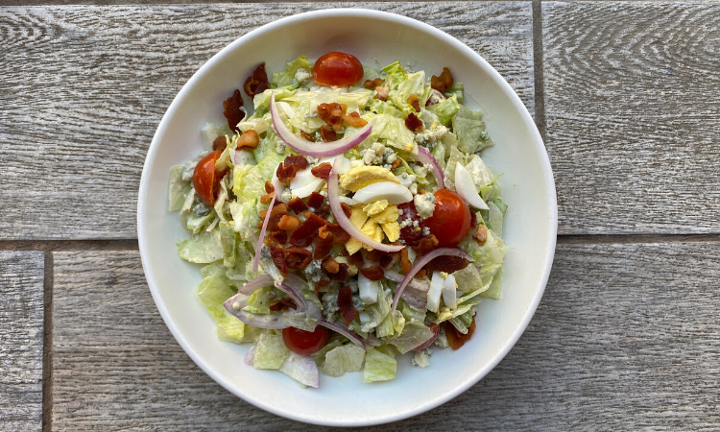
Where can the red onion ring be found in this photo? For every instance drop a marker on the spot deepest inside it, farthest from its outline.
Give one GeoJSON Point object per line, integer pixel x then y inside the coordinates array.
{"type": "Point", "coordinates": [314, 149]}
{"type": "Point", "coordinates": [343, 221]}
{"type": "Point", "coordinates": [256, 284]}
{"type": "Point", "coordinates": [425, 157]}
{"type": "Point", "coordinates": [261, 238]}
{"type": "Point", "coordinates": [415, 284]}
{"type": "Point", "coordinates": [421, 263]}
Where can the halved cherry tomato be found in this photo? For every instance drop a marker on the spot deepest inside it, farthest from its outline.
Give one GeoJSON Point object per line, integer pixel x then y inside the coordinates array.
{"type": "Point", "coordinates": [304, 342]}
{"type": "Point", "coordinates": [337, 69]}
{"type": "Point", "coordinates": [450, 221]}
{"type": "Point", "coordinates": [205, 177]}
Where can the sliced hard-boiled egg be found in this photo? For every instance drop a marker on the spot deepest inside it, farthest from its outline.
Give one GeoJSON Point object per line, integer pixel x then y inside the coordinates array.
{"type": "Point", "coordinates": [305, 183]}
{"type": "Point", "coordinates": [368, 289]}
{"type": "Point", "coordinates": [362, 176]}
{"type": "Point", "coordinates": [394, 193]}
{"type": "Point", "coordinates": [448, 292]}
{"type": "Point", "coordinates": [466, 188]}
{"type": "Point", "coordinates": [344, 167]}
{"type": "Point", "coordinates": [436, 288]}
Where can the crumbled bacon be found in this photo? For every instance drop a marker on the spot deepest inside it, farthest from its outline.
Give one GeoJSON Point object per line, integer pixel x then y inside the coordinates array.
{"type": "Point", "coordinates": [368, 84]}
{"type": "Point", "coordinates": [315, 200]}
{"type": "Point", "coordinates": [321, 284]}
{"type": "Point", "coordinates": [280, 237]}
{"type": "Point", "coordinates": [276, 214]}
{"type": "Point", "coordinates": [414, 102]}
{"type": "Point", "coordinates": [285, 174]}
{"type": "Point", "coordinates": [290, 166]}
{"type": "Point", "coordinates": [395, 164]}
{"type": "Point", "coordinates": [322, 171]}
{"type": "Point", "coordinates": [257, 82]}
{"type": "Point", "coordinates": [355, 259]}
{"type": "Point", "coordinates": [443, 82]}
{"type": "Point", "coordinates": [219, 143]}
{"type": "Point", "coordinates": [405, 263]}
{"type": "Point", "coordinates": [354, 120]}
{"type": "Point", "coordinates": [373, 273]}
{"type": "Point", "coordinates": [232, 111]}
{"type": "Point", "coordinates": [305, 233]}
{"type": "Point", "coordinates": [413, 123]}
{"type": "Point", "coordinates": [422, 274]}
{"type": "Point", "coordinates": [288, 223]}
{"type": "Point", "coordinates": [408, 234]}
{"type": "Point", "coordinates": [341, 274]}
{"type": "Point", "coordinates": [447, 264]}
{"type": "Point", "coordinates": [480, 235]}
{"type": "Point", "coordinates": [266, 198]}
{"type": "Point", "coordinates": [248, 139]}
{"type": "Point", "coordinates": [375, 255]}
{"type": "Point", "coordinates": [473, 220]}
{"type": "Point", "coordinates": [381, 93]}
{"type": "Point", "coordinates": [306, 136]}
{"type": "Point", "coordinates": [332, 114]}
{"type": "Point", "coordinates": [455, 338]}
{"type": "Point", "coordinates": [426, 244]}
{"type": "Point", "coordinates": [346, 209]}
{"type": "Point", "coordinates": [269, 188]}
{"type": "Point", "coordinates": [323, 211]}
{"type": "Point", "coordinates": [297, 205]}
{"type": "Point", "coordinates": [344, 302]}
{"type": "Point", "coordinates": [298, 161]}
{"type": "Point", "coordinates": [278, 256]}
{"type": "Point", "coordinates": [339, 234]}
{"type": "Point", "coordinates": [324, 243]}
{"type": "Point", "coordinates": [297, 258]}
{"type": "Point", "coordinates": [327, 135]}
{"type": "Point", "coordinates": [386, 260]}
{"type": "Point", "coordinates": [329, 265]}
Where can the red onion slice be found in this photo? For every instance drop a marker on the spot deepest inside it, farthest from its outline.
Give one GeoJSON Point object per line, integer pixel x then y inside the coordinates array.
{"type": "Point", "coordinates": [425, 157]}
{"type": "Point", "coordinates": [421, 263]}
{"type": "Point", "coordinates": [339, 328]}
{"type": "Point", "coordinates": [415, 284]}
{"type": "Point", "coordinates": [261, 238]}
{"type": "Point", "coordinates": [256, 284]}
{"type": "Point", "coordinates": [302, 369]}
{"type": "Point", "coordinates": [343, 221]}
{"type": "Point", "coordinates": [412, 299]}
{"type": "Point", "coordinates": [309, 148]}
{"type": "Point", "coordinates": [250, 356]}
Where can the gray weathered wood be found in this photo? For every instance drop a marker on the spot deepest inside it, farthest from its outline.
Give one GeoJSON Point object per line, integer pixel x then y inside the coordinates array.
{"type": "Point", "coordinates": [21, 340]}
{"type": "Point", "coordinates": [633, 115]}
{"type": "Point", "coordinates": [626, 337]}
{"type": "Point", "coordinates": [83, 89]}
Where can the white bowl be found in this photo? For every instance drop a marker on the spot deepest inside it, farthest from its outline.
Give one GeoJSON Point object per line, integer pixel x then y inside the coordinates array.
{"type": "Point", "coordinates": [376, 38]}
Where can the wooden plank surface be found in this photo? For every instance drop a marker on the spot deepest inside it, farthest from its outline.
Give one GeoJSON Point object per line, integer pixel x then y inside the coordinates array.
{"type": "Point", "coordinates": [83, 89]}
{"type": "Point", "coordinates": [633, 115]}
{"type": "Point", "coordinates": [21, 340]}
{"type": "Point", "coordinates": [626, 337]}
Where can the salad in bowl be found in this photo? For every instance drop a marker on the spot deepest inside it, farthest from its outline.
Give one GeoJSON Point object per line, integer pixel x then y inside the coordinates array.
{"type": "Point", "coordinates": [343, 217]}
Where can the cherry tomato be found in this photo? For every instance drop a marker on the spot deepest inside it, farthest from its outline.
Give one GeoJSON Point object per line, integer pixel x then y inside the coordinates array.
{"type": "Point", "coordinates": [304, 342]}
{"type": "Point", "coordinates": [450, 221]}
{"type": "Point", "coordinates": [337, 69]}
{"type": "Point", "coordinates": [205, 177]}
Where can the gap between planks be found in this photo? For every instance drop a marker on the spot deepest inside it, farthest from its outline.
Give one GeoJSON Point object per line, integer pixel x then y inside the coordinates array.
{"type": "Point", "coordinates": [47, 384]}
{"type": "Point", "coordinates": [538, 68]}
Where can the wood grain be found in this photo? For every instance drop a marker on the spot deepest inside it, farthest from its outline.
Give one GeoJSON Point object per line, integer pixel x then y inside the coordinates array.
{"type": "Point", "coordinates": [21, 340]}
{"type": "Point", "coordinates": [633, 115]}
{"type": "Point", "coordinates": [626, 338]}
{"type": "Point", "coordinates": [83, 89]}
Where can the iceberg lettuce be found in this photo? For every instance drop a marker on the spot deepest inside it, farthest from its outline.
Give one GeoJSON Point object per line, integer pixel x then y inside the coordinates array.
{"type": "Point", "coordinates": [343, 359]}
{"type": "Point", "coordinates": [178, 188]}
{"type": "Point", "coordinates": [213, 291]}
{"type": "Point", "coordinates": [287, 76]}
{"type": "Point", "coordinates": [445, 110]}
{"type": "Point", "coordinates": [203, 248]}
{"type": "Point", "coordinates": [270, 352]}
{"type": "Point", "coordinates": [470, 131]}
{"type": "Point", "coordinates": [379, 366]}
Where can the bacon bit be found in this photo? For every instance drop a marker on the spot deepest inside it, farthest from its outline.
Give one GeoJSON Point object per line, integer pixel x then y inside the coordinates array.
{"type": "Point", "coordinates": [341, 274]}
{"type": "Point", "coordinates": [279, 237]}
{"type": "Point", "coordinates": [297, 205]}
{"type": "Point", "coordinates": [315, 200]}
{"type": "Point", "coordinates": [306, 136]}
{"type": "Point", "coordinates": [322, 283]}
{"type": "Point", "coordinates": [327, 135]}
{"type": "Point", "coordinates": [346, 209]}
{"type": "Point", "coordinates": [275, 215]}
{"type": "Point", "coordinates": [374, 83]}
{"type": "Point", "coordinates": [426, 244]}
{"type": "Point", "coordinates": [278, 256]}
{"type": "Point", "coordinates": [339, 234]}
{"type": "Point", "coordinates": [257, 82]}
{"type": "Point", "coordinates": [386, 260]}
{"type": "Point", "coordinates": [480, 235]}
{"type": "Point", "coordinates": [219, 143]}
{"type": "Point", "coordinates": [248, 139]}
{"type": "Point", "coordinates": [414, 102]}
{"type": "Point", "coordinates": [323, 211]}
{"type": "Point", "coordinates": [381, 93]}
{"type": "Point", "coordinates": [283, 304]}
{"type": "Point", "coordinates": [324, 243]}
{"type": "Point", "coordinates": [290, 166]}
{"type": "Point", "coordinates": [422, 274]}
{"type": "Point", "coordinates": [269, 188]}
{"type": "Point", "coordinates": [232, 111]}
{"type": "Point", "coordinates": [304, 234]}
{"type": "Point", "coordinates": [405, 261]}
{"type": "Point", "coordinates": [355, 259]}
{"type": "Point", "coordinates": [267, 198]}
{"type": "Point", "coordinates": [408, 234]}
{"type": "Point", "coordinates": [454, 337]}
{"type": "Point", "coordinates": [354, 120]}
{"type": "Point", "coordinates": [375, 255]}
{"type": "Point", "coordinates": [285, 174]}
{"type": "Point", "coordinates": [413, 123]}
{"type": "Point", "coordinates": [329, 265]}
{"type": "Point", "coordinates": [443, 82]}
{"type": "Point", "coordinates": [344, 302]}
{"type": "Point", "coordinates": [297, 161]}
{"type": "Point", "coordinates": [473, 220]}
{"type": "Point", "coordinates": [373, 273]}
{"type": "Point", "coordinates": [297, 258]}
{"type": "Point", "coordinates": [395, 164]}
{"type": "Point", "coordinates": [322, 171]}
{"type": "Point", "coordinates": [332, 114]}
{"type": "Point", "coordinates": [288, 223]}
{"type": "Point", "coordinates": [447, 264]}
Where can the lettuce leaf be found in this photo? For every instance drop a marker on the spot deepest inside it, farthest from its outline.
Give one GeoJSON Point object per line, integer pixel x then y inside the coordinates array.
{"type": "Point", "coordinates": [202, 248]}
{"type": "Point", "coordinates": [470, 131]}
{"type": "Point", "coordinates": [213, 291]}
{"type": "Point", "coordinates": [455, 157]}
{"type": "Point", "coordinates": [343, 359]}
{"type": "Point", "coordinates": [414, 335]}
{"type": "Point", "coordinates": [177, 189]}
{"type": "Point", "coordinates": [445, 110]}
{"type": "Point", "coordinates": [379, 366]}
{"type": "Point", "coordinates": [495, 287]}
{"type": "Point", "coordinates": [287, 76]}
{"type": "Point", "coordinates": [271, 352]}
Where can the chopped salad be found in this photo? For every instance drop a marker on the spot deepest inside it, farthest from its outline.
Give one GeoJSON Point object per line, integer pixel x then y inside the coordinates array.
{"type": "Point", "coordinates": [343, 217]}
